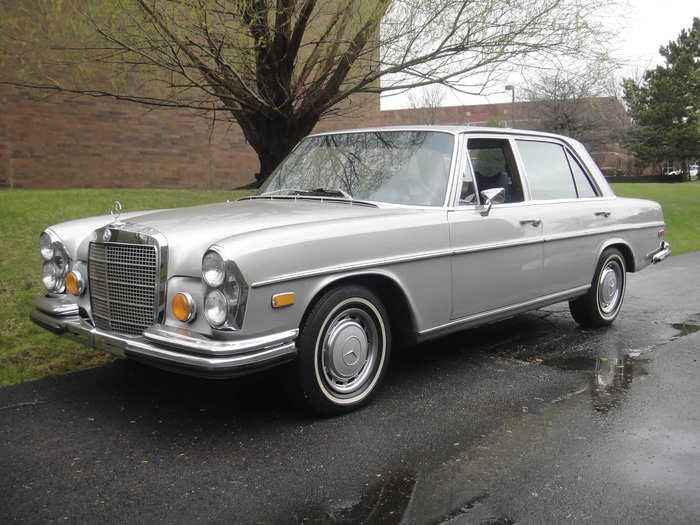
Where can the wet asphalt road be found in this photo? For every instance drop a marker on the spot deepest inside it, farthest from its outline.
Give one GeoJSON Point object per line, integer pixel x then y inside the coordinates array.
{"type": "Point", "coordinates": [530, 420]}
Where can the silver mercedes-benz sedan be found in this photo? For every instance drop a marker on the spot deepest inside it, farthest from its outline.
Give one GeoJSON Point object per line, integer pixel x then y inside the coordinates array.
{"type": "Point", "coordinates": [360, 241]}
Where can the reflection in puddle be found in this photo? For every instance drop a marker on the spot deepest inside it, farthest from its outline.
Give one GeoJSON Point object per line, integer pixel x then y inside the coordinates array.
{"type": "Point", "coordinates": [610, 376]}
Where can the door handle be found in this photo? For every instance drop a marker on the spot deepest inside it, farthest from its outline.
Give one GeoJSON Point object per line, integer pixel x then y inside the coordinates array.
{"type": "Point", "coordinates": [534, 222]}
{"type": "Point", "coordinates": [605, 214]}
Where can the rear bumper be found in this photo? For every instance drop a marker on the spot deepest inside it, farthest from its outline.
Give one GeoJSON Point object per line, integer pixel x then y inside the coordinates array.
{"type": "Point", "coordinates": [177, 350]}
{"type": "Point", "coordinates": [660, 254]}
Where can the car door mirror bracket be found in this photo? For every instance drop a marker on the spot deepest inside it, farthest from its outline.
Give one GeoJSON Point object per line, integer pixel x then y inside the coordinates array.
{"type": "Point", "coordinates": [490, 197]}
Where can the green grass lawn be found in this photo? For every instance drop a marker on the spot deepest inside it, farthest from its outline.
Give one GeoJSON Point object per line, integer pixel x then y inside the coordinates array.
{"type": "Point", "coordinates": [681, 204]}
{"type": "Point", "coordinates": [28, 352]}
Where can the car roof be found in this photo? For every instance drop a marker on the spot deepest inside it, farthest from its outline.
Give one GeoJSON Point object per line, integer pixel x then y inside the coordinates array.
{"type": "Point", "coordinates": [448, 129]}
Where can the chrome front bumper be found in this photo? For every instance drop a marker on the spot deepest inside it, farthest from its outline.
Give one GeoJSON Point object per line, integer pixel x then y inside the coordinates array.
{"type": "Point", "coordinates": [173, 349]}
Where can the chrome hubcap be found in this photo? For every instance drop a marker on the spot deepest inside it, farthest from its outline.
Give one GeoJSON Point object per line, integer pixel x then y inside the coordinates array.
{"type": "Point", "coordinates": [610, 287]}
{"type": "Point", "coordinates": [349, 351]}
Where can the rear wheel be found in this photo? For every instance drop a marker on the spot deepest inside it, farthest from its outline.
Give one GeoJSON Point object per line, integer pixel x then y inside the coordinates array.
{"type": "Point", "coordinates": [603, 301]}
{"type": "Point", "coordinates": [344, 350]}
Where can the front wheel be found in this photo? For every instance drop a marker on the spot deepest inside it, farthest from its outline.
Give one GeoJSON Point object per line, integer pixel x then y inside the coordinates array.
{"type": "Point", "coordinates": [602, 302]}
{"type": "Point", "coordinates": [344, 350]}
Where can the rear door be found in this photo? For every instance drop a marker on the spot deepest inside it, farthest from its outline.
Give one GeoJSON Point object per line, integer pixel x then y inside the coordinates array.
{"type": "Point", "coordinates": [574, 216]}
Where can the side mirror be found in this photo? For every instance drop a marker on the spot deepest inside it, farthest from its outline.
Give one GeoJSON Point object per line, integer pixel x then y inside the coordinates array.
{"type": "Point", "coordinates": [490, 197]}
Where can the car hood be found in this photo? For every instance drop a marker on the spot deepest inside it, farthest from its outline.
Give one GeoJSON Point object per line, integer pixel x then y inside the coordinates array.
{"type": "Point", "coordinates": [190, 231]}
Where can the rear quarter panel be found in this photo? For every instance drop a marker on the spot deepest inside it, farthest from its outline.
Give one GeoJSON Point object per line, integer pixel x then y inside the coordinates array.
{"type": "Point", "coordinates": [637, 223]}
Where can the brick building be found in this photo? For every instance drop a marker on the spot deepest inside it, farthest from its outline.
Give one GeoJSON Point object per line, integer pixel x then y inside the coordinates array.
{"type": "Point", "coordinates": [66, 141]}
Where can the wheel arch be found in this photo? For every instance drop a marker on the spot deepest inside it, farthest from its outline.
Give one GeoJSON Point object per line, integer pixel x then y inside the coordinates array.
{"type": "Point", "coordinates": [402, 320]}
{"type": "Point", "coordinates": [624, 248]}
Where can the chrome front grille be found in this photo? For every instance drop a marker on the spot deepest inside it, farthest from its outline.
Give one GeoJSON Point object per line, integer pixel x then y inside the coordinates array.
{"type": "Point", "coordinates": [123, 280]}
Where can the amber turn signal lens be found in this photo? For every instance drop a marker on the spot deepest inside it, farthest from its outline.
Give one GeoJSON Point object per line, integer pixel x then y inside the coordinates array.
{"type": "Point", "coordinates": [183, 307]}
{"type": "Point", "coordinates": [74, 283]}
{"type": "Point", "coordinates": [283, 299]}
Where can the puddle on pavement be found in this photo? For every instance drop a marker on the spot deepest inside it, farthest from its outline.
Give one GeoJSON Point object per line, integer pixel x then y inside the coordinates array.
{"type": "Point", "coordinates": [689, 326]}
{"type": "Point", "coordinates": [610, 377]}
{"type": "Point", "coordinates": [382, 503]}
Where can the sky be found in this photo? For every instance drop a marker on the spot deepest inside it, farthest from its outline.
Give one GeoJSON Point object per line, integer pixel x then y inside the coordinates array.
{"type": "Point", "coordinates": [647, 25]}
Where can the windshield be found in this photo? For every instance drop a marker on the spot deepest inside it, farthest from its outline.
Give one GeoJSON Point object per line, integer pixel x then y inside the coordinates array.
{"type": "Point", "coordinates": [401, 167]}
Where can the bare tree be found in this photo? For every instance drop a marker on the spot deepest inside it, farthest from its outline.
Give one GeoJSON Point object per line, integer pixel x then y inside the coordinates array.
{"type": "Point", "coordinates": [580, 104]}
{"type": "Point", "coordinates": [426, 104]}
{"type": "Point", "coordinates": [277, 67]}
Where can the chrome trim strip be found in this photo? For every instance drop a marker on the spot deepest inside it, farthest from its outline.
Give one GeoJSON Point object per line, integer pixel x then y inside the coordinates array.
{"type": "Point", "coordinates": [602, 198]}
{"type": "Point", "coordinates": [609, 229]}
{"type": "Point", "coordinates": [59, 306]}
{"type": "Point", "coordinates": [545, 299]}
{"type": "Point", "coordinates": [334, 200]}
{"type": "Point", "coordinates": [193, 342]}
{"type": "Point", "coordinates": [467, 207]}
{"type": "Point", "coordinates": [586, 172]}
{"type": "Point", "coordinates": [352, 266]}
{"type": "Point", "coordinates": [454, 174]}
{"type": "Point", "coordinates": [520, 166]}
{"type": "Point", "coordinates": [496, 245]}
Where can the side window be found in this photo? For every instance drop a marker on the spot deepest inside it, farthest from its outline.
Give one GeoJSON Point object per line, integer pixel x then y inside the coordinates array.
{"type": "Point", "coordinates": [547, 170]}
{"type": "Point", "coordinates": [583, 184]}
{"type": "Point", "coordinates": [493, 166]}
{"type": "Point", "coordinates": [467, 194]}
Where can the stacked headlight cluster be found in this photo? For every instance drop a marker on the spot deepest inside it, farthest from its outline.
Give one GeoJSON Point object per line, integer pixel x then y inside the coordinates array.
{"type": "Point", "coordinates": [56, 262]}
{"type": "Point", "coordinates": [225, 292]}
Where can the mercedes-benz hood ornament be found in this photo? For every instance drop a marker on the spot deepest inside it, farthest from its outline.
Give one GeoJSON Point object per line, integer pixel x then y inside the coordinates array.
{"type": "Point", "coordinates": [116, 211]}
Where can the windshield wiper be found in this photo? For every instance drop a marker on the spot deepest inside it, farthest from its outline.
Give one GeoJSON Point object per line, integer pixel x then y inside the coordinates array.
{"type": "Point", "coordinates": [329, 192]}
{"type": "Point", "coordinates": [318, 192]}
{"type": "Point", "coordinates": [281, 191]}
{"type": "Point", "coordinates": [321, 192]}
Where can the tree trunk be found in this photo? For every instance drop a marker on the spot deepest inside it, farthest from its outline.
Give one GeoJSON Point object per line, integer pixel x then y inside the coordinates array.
{"type": "Point", "coordinates": [272, 140]}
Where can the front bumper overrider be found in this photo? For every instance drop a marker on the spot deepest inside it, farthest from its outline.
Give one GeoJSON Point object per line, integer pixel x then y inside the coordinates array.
{"type": "Point", "coordinates": [661, 253]}
{"type": "Point", "coordinates": [175, 349]}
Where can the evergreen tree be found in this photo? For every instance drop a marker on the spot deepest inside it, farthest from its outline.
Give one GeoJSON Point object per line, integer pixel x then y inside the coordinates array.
{"type": "Point", "coordinates": [664, 106]}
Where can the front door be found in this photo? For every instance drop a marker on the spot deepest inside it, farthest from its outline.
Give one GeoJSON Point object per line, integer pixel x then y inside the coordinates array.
{"type": "Point", "coordinates": [496, 258]}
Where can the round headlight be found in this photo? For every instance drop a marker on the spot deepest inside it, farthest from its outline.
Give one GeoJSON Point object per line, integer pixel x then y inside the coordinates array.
{"type": "Point", "coordinates": [46, 246]}
{"type": "Point", "coordinates": [215, 308]}
{"type": "Point", "coordinates": [52, 277]}
{"type": "Point", "coordinates": [61, 260]}
{"type": "Point", "coordinates": [213, 271]}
